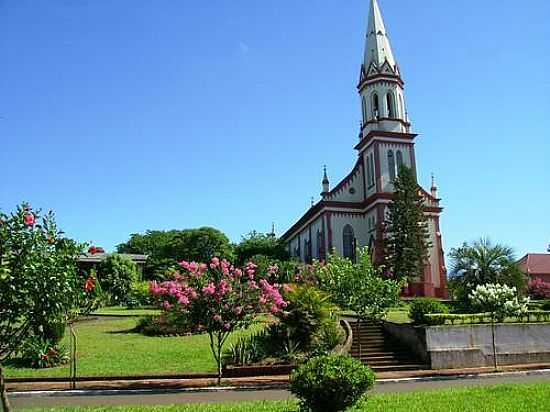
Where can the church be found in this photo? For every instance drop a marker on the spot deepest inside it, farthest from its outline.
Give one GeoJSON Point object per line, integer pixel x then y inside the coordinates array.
{"type": "Point", "coordinates": [352, 213]}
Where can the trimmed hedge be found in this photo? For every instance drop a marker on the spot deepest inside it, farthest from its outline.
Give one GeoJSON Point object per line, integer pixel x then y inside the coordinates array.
{"type": "Point", "coordinates": [533, 316]}
{"type": "Point", "coordinates": [421, 307]}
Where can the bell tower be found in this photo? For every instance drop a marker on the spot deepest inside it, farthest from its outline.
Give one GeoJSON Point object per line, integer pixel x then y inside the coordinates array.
{"type": "Point", "coordinates": [385, 134]}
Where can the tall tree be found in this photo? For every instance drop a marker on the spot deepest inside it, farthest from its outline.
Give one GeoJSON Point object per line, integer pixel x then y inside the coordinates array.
{"type": "Point", "coordinates": [407, 237]}
{"type": "Point", "coordinates": [256, 243]}
{"type": "Point", "coordinates": [39, 279]}
{"type": "Point", "coordinates": [483, 262]}
{"type": "Point", "coordinates": [166, 247]}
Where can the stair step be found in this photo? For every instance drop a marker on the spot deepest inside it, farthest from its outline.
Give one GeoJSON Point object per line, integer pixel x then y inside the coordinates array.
{"type": "Point", "coordinates": [397, 368]}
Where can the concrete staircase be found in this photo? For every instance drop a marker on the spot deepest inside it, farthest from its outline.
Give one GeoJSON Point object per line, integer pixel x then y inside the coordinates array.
{"type": "Point", "coordinates": [372, 346]}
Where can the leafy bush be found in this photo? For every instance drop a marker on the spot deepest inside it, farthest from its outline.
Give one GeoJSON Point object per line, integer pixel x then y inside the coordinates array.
{"type": "Point", "coordinates": [539, 289]}
{"type": "Point", "coordinates": [331, 383]}
{"type": "Point", "coordinates": [41, 353]}
{"type": "Point", "coordinates": [500, 300]}
{"type": "Point", "coordinates": [546, 305]}
{"type": "Point", "coordinates": [116, 274]}
{"type": "Point", "coordinates": [308, 326]}
{"type": "Point", "coordinates": [360, 286]}
{"type": "Point", "coordinates": [423, 306]}
{"type": "Point", "coordinates": [307, 317]}
{"type": "Point", "coordinates": [139, 295]}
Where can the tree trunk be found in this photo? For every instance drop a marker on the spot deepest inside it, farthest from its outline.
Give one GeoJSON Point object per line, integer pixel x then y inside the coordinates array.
{"type": "Point", "coordinates": [494, 345]}
{"type": "Point", "coordinates": [220, 343]}
{"type": "Point", "coordinates": [3, 394]}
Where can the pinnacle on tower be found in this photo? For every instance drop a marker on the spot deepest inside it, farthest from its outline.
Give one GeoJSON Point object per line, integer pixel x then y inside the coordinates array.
{"type": "Point", "coordinates": [326, 183]}
{"type": "Point", "coordinates": [378, 50]}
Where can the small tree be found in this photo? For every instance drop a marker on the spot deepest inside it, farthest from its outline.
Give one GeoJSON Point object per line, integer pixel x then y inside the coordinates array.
{"type": "Point", "coordinates": [500, 301]}
{"type": "Point", "coordinates": [407, 237]}
{"type": "Point", "coordinates": [360, 286]}
{"type": "Point", "coordinates": [39, 279]}
{"type": "Point", "coordinates": [483, 262]}
{"type": "Point", "coordinates": [116, 274]}
{"type": "Point", "coordinates": [264, 244]}
{"type": "Point", "coordinates": [218, 298]}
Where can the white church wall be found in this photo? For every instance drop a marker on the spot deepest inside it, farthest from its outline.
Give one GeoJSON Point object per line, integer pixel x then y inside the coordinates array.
{"type": "Point", "coordinates": [370, 189]}
{"type": "Point", "coordinates": [357, 222]}
{"type": "Point", "coordinates": [387, 185]}
{"type": "Point", "coordinates": [352, 191]}
{"type": "Point", "coordinates": [434, 253]}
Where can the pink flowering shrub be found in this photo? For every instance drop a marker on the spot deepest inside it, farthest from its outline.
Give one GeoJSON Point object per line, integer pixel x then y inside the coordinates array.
{"type": "Point", "coordinates": [539, 289]}
{"type": "Point", "coordinates": [218, 298]}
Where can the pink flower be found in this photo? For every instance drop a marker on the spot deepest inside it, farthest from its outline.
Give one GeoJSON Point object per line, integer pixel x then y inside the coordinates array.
{"type": "Point", "coordinates": [274, 309]}
{"type": "Point", "coordinates": [193, 266]}
{"type": "Point", "coordinates": [238, 310]}
{"type": "Point", "coordinates": [209, 289]}
{"type": "Point", "coordinates": [214, 263]}
{"type": "Point", "coordinates": [202, 268]}
{"type": "Point", "coordinates": [183, 300]}
{"type": "Point", "coordinates": [272, 269]}
{"type": "Point", "coordinates": [166, 305]}
{"type": "Point", "coordinates": [29, 219]}
{"type": "Point", "coordinates": [184, 264]}
{"type": "Point", "coordinates": [238, 273]}
{"type": "Point", "coordinates": [217, 318]}
{"type": "Point", "coordinates": [263, 300]}
{"type": "Point", "coordinates": [227, 326]}
{"type": "Point", "coordinates": [287, 288]}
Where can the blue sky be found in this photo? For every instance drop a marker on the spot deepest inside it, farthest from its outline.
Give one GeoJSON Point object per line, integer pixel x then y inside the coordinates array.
{"type": "Point", "coordinates": [130, 115]}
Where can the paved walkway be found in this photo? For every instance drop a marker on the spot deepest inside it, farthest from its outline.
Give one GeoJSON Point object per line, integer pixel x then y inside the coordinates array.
{"type": "Point", "coordinates": [173, 397]}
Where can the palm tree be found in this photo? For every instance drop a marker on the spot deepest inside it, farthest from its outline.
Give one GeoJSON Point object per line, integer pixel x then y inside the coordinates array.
{"type": "Point", "coordinates": [483, 262]}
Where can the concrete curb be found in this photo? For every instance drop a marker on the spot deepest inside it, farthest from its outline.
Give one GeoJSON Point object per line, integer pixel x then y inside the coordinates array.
{"type": "Point", "coordinates": [247, 388]}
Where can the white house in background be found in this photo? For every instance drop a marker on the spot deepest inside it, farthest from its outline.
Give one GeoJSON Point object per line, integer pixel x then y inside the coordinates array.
{"type": "Point", "coordinates": [352, 213]}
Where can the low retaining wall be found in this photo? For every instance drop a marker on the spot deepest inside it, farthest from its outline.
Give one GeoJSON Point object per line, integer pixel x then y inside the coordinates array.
{"type": "Point", "coordinates": [470, 346]}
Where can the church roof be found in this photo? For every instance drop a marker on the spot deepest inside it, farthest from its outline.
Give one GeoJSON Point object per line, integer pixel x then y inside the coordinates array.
{"type": "Point", "coordinates": [377, 47]}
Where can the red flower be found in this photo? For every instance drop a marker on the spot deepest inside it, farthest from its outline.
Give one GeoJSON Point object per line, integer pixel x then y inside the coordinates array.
{"type": "Point", "coordinates": [29, 219]}
{"type": "Point", "coordinates": [92, 250]}
{"type": "Point", "coordinates": [51, 241]}
{"type": "Point", "coordinates": [89, 284]}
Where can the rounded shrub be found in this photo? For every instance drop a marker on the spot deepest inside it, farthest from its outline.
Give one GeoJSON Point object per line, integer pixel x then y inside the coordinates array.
{"type": "Point", "coordinates": [425, 306]}
{"type": "Point", "coordinates": [331, 383]}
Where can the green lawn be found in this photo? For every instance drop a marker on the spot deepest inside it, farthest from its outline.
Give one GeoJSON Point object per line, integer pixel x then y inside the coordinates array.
{"type": "Point", "coordinates": [107, 347]}
{"type": "Point", "coordinates": [123, 311]}
{"type": "Point", "coordinates": [501, 398]}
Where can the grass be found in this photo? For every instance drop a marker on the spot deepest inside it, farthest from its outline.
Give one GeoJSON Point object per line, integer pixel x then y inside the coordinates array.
{"type": "Point", "coordinates": [108, 347]}
{"type": "Point", "coordinates": [501, 398]}
{"type": "Point", "coordinates": [123, 311]}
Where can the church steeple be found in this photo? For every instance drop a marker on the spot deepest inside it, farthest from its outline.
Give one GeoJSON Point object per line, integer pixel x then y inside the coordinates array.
{"type": "Point", "coordinates": [377, 47]}
{"type": "Point", "coordinates": [380, 84]}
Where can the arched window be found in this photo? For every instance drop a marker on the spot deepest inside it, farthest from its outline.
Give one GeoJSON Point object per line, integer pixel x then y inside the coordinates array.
{"type": "Point", "coordinates": [390, 105]}
{"type": "Point", "coordinates": [320, 245]}
{"type": "Point", "coordinates": [391, 165]}
{"type": "Point", "coordinates": [349, 242]}
{"type": "Point", "coordinates": [399, 158]}
{"type": "Point", "coordinates": [375, 106]}
{"type": "Point", "coordinates": [364, 107]}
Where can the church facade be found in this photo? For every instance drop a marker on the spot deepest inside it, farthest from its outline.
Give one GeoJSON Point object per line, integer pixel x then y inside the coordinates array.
{"type": "Point", "coordinates": [352, 214]}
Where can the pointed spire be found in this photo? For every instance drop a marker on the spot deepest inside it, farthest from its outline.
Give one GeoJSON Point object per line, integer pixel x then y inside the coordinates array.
{"type": "Point", "coordinates": [326, 183]}
{"type": "Point", "coordinates": [377, 47]}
